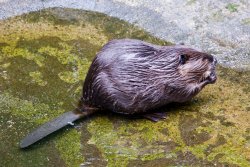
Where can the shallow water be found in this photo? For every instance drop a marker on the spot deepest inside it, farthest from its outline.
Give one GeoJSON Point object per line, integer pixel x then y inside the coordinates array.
{"type": "Point", "coordinates": [44, 57]}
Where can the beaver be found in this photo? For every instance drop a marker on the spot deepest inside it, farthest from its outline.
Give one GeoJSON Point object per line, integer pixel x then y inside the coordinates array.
{"type": "Point", "coordinates": [131, 77]}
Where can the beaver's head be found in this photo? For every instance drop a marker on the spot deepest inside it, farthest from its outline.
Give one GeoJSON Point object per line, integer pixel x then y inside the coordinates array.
{"type": "Point", "coordinates": [194, 70]}
{"type": "Point", "coordinates": [196, 67]}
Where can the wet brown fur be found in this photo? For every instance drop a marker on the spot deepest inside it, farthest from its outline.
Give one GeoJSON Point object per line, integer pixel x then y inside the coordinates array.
{"type": "Point", "coordinates": [131, 76]}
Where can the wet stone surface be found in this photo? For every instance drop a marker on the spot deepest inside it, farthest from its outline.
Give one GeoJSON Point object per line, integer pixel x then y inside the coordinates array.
{"type": "Point", "coordinates": [44, 57]}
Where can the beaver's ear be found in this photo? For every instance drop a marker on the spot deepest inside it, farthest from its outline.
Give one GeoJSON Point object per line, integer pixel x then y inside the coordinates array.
{"type": "Point", "coordinates": [183, 58]}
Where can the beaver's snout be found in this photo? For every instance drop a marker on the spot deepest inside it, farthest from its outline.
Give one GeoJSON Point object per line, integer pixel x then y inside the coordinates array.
{"type": "Point", "coordinates": [211, 78]}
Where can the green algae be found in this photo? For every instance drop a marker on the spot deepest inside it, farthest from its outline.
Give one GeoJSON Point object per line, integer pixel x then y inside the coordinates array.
{"type": "Point", "coordinates": [68, 77]}
{"type": "Point", "coordinates": [71, 155]}
{"type": "Point", "coordinates": [246, 21]}
{"type": "Point", "coordinates": [6, 65]}
{"type": "Point", "coordinates": [109, 26]}
{"type": "Point", "coordinates": [24, 108]}
{"type": "Point", "coordinates": [44, 58]}
{"type": "Point", "coordinates": [41, 113]}
{"type": "Point", "coordinates": [11, 51]}
{"type": "Point", "coordinates": [37, 77]}
{"type": "Point", "coordinates": [232, 7]}
{"type": "Point", "coordinates": [12, 130]}
{"type": "Point", "coordinates": [190, 2]}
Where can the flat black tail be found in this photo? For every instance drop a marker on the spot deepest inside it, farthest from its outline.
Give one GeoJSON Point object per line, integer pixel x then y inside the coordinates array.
{"type": "Point", "coordinates": [52, 126]}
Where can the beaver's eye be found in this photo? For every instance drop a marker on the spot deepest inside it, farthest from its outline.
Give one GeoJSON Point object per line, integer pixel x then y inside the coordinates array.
{"type": "Point", "coordinates": [183, 59]}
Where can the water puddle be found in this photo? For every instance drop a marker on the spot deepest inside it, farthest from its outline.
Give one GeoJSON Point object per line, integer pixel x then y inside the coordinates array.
{"type": "Point", "coordinates": [44, 57]}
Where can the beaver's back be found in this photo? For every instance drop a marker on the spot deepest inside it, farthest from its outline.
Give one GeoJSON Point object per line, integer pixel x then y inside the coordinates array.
{"type": "Point", "coordinates": [121, 78]}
